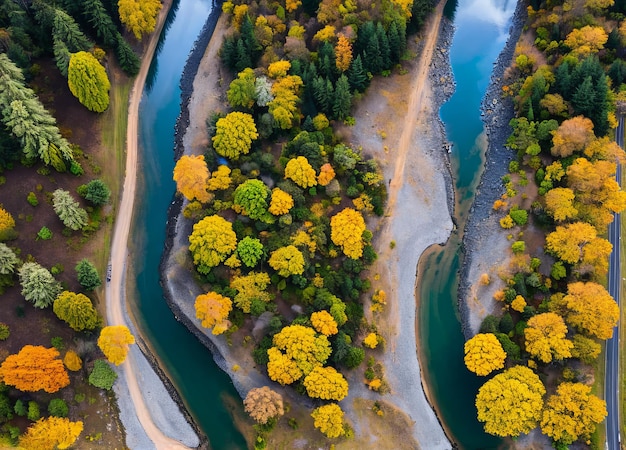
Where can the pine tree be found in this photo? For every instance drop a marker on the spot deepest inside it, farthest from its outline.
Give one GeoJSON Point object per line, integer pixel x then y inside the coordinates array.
{"type": "Point", "coordinates": [343, 98]}
{"type": "Point", "coordinates": [383, 45]}
{"type": "Point", "coordinates": [396, 47]}
{"type": "Point", "coordinates": [99, 18]}
{"type": "Point", "coordinates": [129, 61]}
{"type": "Point", "coordinates": [67, 30]}
{"type": "Point", "coordinates": [357, 76]}
{"type": "Point", "coordinates": [61, 56]}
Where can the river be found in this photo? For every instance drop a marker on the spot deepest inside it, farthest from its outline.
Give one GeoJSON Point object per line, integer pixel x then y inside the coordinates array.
{"type": "Point", "coordinates": [482, 27]}
{"type": "Point", "coordinates": [202, 385]}
{"type": "Point", "coordinates": [481, 31]}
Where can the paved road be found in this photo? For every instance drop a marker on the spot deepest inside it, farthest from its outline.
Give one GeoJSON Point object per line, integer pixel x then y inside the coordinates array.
{"type": "Point", "coordinates": [611, 384]}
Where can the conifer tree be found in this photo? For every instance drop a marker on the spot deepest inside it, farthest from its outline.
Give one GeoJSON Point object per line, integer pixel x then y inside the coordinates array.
{"type": "Point", "coordinates": [67, 31]}
{"type": "Point", "coordinates": [343, 98]}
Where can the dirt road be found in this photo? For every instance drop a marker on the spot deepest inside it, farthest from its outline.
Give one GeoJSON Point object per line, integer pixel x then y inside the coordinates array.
{"type": "Point", "coordinates": [116, 289]}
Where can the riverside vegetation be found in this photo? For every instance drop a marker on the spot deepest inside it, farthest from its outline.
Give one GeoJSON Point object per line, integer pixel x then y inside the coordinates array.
{"type": "Point", "coordinates": [566, 81]}
{"type": "Point", "coordinates": [55, 375]}
{"type": "Point", "coordinates": [280, 204]}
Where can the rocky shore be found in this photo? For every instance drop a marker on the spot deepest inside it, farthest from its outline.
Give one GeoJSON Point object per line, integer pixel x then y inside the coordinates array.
{"type": "Point", "coordinates": [484, 245]}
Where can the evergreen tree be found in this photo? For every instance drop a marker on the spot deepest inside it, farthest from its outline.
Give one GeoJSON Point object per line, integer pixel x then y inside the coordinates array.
{"type": "Point", "coordinates": [243, 59]}
{"type": "Point", "coordinates": [61, 56]}
{"type": "Point", "coordinates": [67, 31]}
{"type": "Point", "coordinates": [583, 99]}
{"type": "Point", "coordinates": [129, 61]}
{"type": "Point", "coordinates": [343, 98]}
{"type": "Point", "coordinates": [323, 93]}
{"type": "Point", "coordinates": [383, 45]}
{"type": "Point", "coordinates": [562, 80]}
{"type": "Point", "coordinates": [327, 65]}
{"type": "Point", "coordinates": [357, 76]}
{"type": "Point", "coordinates": [396, 47]}
{"type": "Point", "coordinates": [374, 60]}
{"type": "Point", "coordinates": [100, 20]}
{"type": "Point", "coordinates": [617, 72]}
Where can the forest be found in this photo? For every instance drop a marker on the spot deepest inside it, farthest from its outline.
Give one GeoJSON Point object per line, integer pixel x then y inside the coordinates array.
{"type": "Point", "coordinates": [56, 211]}
{"type": "Point", "coordinates": [544, 348]}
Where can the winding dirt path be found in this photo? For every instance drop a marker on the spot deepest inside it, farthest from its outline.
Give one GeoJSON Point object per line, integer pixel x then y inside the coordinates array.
{"type": "Point", "coordinates": [116, 288]}
{"type": "Point", "coordinates": [416, 101]}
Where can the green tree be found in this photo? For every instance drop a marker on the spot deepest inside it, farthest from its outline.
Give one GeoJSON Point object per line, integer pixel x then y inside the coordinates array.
{"type": "Point", "coordinates": [61, 56]}
{"type": "Point", "coordinates": [102, 376]}
{"type": "Point", "coordinates": [88, 81]}
{"type": "Point", "coordinates": [129, 61]}
{"type": "Point", "coordinates": [57, 407]}
{"type": "Point", "coordinates": [242, 90]}
{"type": "Point", "coordinates": [87, 275]}
{"type": "Point", "coordinates": [96, 192]}
{"type": "Point", "coordinates": [8, 260]}
{"type": "Point", "coordinates": [76, 310]}
{"type": "Point", "coordinates": [67, 31]}
{"type": "Point", "coordinates": [100, 19]}
{"type": "Point", "coordinates": [287, 261]}
{"type": "Point", "coordinates": [69, 210]}
{"type": "Point", "coordinates": [27, 119]}
{"type": "Point", "coordinates": [343, 98]}
{"type": "Point", "coordinates": [357, 76]}
{"type": "Point", "coordinates": [251, 199]}
{"type": "Point", "coordinates": [250, 250]}
{"type": "Point", "coordinates": [38, 285]}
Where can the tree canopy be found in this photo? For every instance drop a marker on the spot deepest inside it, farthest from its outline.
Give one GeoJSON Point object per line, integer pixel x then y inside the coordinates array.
{"type": "Point", "coordinates": [212, 240]}
{"type": "Point", "coordinates": [88, 81]}
{"type": "Point", "coordinates": [34, 368]}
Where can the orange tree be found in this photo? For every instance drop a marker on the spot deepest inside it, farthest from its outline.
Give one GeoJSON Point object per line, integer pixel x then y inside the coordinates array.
{"type": "Point", "coordinates": [35, 368]}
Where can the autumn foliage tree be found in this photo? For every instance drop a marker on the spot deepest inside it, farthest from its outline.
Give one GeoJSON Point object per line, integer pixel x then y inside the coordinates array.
{"type": "Point", "coordinates": [329, 420]}
{"type": "Point", "coordinates": [587, 307]}
{"type": "Point", "coordinates": [213, 309]}
{"type": "Point", "coordinates": [546, 339]}
{"type": "Point", "coordinates": [280, 203]}
{"type": "Point", "coordinates": [51, 433]}
{"type": "Point", "coordinates": [263, 404]}
{"type": "Point", "coordinates": [560, 204]}
{"type": "Point", "coordinates": [326, 383]}
{"type": "Point", "coordinates": [287, 261]}
{"type": "Point", "coordinates": [346, 230]}
{"type": "Point", "coordinates": [72, 361]}
{"type": "Point", "coordinates": [88, 81]}
{"type": "Point", "coordinates": [34, 368]}
{"type": "Point", "coordinates": [76, 310]}
{"type": "Point", "coordinates": [324, 323]}
{"type": "Point", "coordinates": [114, 341]}
{"type": "Point", "coordinates": [296, 352]}
{"type": "Point", "coordinates": [250, 199]}
{"type": "Point", "coordinates": [511, 402]}
{"type": "Point", "coordinates": [139, 16]}
{"type": "Point", "coordinates": [343, 52]}
{"type": "Point", "coordinates": [250, 287]}
{"type": "Point", "coordinates": [578, 243]}
{"type": "Point", "coordinates": [192, 175]}
{"type": "Point", "coordinates": [572, 413]}
{"type": "Point", "coordinates": [211, 241]}
{"type": "Point", "coordinates": [7, 223]}
{"type": "Point", "coordinates": [234, 135]}
{"type": "Point", "coordinates": [301, 172]}
{"type": "Point", "coordinates": [484, 354]}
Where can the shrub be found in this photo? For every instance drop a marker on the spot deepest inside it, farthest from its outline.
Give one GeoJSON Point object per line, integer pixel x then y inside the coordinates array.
{"type": "Point", "coordinates": [87, 275]}
{"type": "Point", "coordinates": [32, 199]}
{"type": "Point", "coordinates": [4, 331]}
{"type": "Point", "coordinates": [33, 411]}
{"type": "Point", "coordinates": [44, 234]}
{"type": "Point", "coordinates": [58, 408]}
{"type": "Point", "coordinates": [506, 222]}
{"type": "Point", "coordinates": [518, 247]}
{"type": "Point", "coordinates": [519, 216]}
{"type": "Point", "coordinates": [102, 376]}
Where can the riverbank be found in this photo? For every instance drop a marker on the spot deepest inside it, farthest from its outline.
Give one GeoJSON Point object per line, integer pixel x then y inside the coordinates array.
{"type": "Point", "coordinates": [485, 244]}
{"type": "Point", "coordinates": [422, 179]}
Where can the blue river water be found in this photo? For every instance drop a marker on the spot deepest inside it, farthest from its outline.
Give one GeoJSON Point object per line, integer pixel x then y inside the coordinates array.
{"type": "Point", "coordinates": [201, 384]}
{"type": "Point", "coordinates": [481, 32]}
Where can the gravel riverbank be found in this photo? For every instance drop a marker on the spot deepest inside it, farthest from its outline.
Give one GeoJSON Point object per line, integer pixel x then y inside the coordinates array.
{"type": "Point", "coordinates": [484, 244]}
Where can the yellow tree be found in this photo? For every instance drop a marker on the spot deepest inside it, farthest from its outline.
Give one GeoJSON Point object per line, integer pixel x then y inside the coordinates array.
{"type": "Point", "coordinates": [329, 420]}
{"type": "Point", "coordinates": [88, 81]}
{"type": "Point", "coordinates": [220, 179]}
{"type": "Point", "coordinates": [34, 368]}
{"type": "Point", "coordinates": [577, 243]}
{"type": "Point", "coordinates": [484, 354]}
{"type": "Point", "coordinates": [346, 231]}
{"type": "Point", "coordinates": [287, 261]}
{"type": "Point", "coordinates": [586, 40]}
{"type": "Point", "coordinates": [303, 346]}
{"type": "Point", "coordinates": [585, 349]}
{"type": "Point", "coordinates": [546, 337]}
{"type": "Point", "coordinates": [573, 135]}
{"type": "Point", "coordinates": [326, 383]}
{"type": "Point", "coordinates": [76, 310]}
{"type": "Point", "coordinates": [560, 204]}
{"type": "Point", "coordinates": [511, 402]}
{"type": "Point", "coordinates": [213, 309]}
{"type": "Point", "coordinates": [280, 203]}
{"type": "Point", "coordinates": [7, 223]}
{"type": "Point", "coordinates": [72, 361]}
{"type": "Point", "coordinates": [324, 323]}
{"type": "Point", "coordinates": [192, 175]}
{"type": "Point", "coordinates": [114, 341]}
{"type": "Point", "coordinates": [281, 368]}
{"type": "Point", "coordinates": [249, 287]}
{"type": "Point", "coordinates": [234, 135]}
{"type": "Point", "coordinates": [284, 106]}
{"type": "Point", "coordinates": [572, 413]}
{"type": "Point", "coordinates": [278, 69]}
{"type": "Point", "coordinates": [292, 5]}
{"type": "Point", "coordinates": [589, 308]}
{"type": "Point", "coordinates": [301, 172]}
{"type": "Point", "coordinates": [604, 148]}
{"type": "Point", "coordinates": [51, 433]}
{"type": "Point", "coordinates": [343, 53]}
{"type": "Point", "coordinates": [263, 404]}
{"type": "Point", "coordinates": [139, 16]}
{"type": "Point", "coordinates": [211, 241]}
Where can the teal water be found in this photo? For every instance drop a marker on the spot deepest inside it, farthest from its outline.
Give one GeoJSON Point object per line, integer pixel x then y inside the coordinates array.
{"type": "Point", "coordinates": [189, 365]}
{"type": "Point", "coordinates": [481, 32]}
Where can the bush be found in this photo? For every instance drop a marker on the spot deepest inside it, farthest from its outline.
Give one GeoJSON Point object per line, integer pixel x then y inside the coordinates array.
{"type": "Point", "coordinates": [519, 216]}
{"type": "Point", "coordinates": [96, 192]}
{"type": "Point", "coordinates": [44, 234]}
{"type": "Point", "coordinates": [4, 331]}
{"type": "Point", "coordinates": [20, 408]}
{"type": "Point", "coordinates": [87, 275]}
{"type": "Point", "coordinates": [518, 247]}
{"type": "Point", "coordinates": [58, 408]}
{"type": "Point", "coordinates": [33, 411]}
{"type": "Point", "coordinates": [490, 324]}
{"type": "Point", "coordinates": [102, 376]}
{"type": "Point", "coordinates": [32, 199]}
